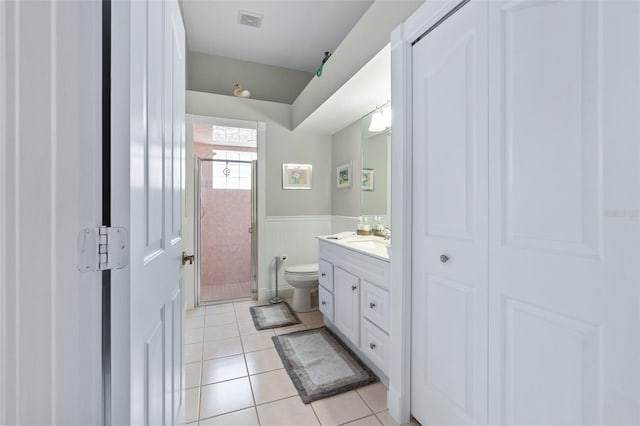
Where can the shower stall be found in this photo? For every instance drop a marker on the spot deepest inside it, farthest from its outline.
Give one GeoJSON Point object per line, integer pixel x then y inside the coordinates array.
{"type": "Point", "coordinates": [226, 226]}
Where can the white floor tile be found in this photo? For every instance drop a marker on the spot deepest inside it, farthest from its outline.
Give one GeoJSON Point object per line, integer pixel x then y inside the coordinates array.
{"type": "Point", "coordinates": [246, 417]}
{"type": "Point", "coordinates": [271, 386]}
{"type": "Point", "coordinates": [287, 412]}
{"type": "Point", "coordinates": [262, 361]}
{"type": "Point", "coordinates": [340, 409]}
{"type": "Point", "coordinates": [221, 369]}
{"type": "Point", "coordinates": [191, 405]}
{"type": "Point", "coordinates": [219, 348]}
{"type": "Point", "coordinates": [225, 397]}
{"type": "Point", "coordinates": [192, 373]}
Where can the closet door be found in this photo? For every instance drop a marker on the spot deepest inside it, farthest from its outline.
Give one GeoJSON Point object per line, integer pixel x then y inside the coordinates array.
{"type": "Point", "coordinates": [450, 181]}
{"type": "Point", "coordinates": [565, 229]}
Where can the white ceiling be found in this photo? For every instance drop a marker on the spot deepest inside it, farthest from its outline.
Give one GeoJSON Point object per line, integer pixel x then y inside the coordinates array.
{"type": "Point", "coordinates": [294, 33]}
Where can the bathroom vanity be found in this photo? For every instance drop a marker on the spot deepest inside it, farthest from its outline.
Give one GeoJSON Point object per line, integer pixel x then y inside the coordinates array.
{"type": "Point", "coordinates": [354, 296]}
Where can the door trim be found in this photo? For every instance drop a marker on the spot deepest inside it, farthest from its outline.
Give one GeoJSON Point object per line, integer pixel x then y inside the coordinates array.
{"type": "Point", "coordinates": [258, 203]}
{"type": "Point", "coordinates": [106, 207]}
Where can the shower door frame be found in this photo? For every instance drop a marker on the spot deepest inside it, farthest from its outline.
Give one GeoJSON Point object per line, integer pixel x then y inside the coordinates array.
{"type": "Point", "coordinates": [253, 229]}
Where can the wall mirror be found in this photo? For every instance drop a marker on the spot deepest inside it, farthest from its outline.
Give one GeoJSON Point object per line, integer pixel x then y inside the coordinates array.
{"type": "Point", "coordinates": [376, 172]}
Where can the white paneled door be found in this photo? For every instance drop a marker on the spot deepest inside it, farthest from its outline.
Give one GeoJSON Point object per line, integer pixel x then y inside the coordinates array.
{"type": "Point", "coordinates": [450, 178]}
{"type": "Point", "coordinates": [526, 215]}
{"type": "Point", "coordinates": [155, 151]}
{"type": "Point", "coordinates": [565, 231]}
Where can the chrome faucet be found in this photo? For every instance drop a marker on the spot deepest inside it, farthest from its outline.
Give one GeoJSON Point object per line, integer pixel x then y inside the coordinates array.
{"type": "Point", "coordinates": [386, 233]}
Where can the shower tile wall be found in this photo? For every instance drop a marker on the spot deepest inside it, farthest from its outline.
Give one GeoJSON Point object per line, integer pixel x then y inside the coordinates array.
{"type": "Point", "coordinates": [225, 241]}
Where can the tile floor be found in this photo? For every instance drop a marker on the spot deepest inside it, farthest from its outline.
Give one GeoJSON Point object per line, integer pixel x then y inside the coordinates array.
{"type": "Point", "coordinates": [211, 292]}
{"type": "Point", "coordinates": [234, 376]}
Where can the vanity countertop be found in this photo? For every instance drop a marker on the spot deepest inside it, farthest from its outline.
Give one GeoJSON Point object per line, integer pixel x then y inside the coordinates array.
{"type": "Point", "coordinates": [370, 245]}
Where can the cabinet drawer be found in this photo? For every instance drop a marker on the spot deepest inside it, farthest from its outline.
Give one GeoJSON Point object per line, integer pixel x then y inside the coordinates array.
{"type": "Point", "coordinates": [375, 345]}
{"type": "Point", "coordinates": [375, 305]}
{"type": "Point", "coordinates": [325, 303]}
{"type": "Point", "coordinates": [325, 274]}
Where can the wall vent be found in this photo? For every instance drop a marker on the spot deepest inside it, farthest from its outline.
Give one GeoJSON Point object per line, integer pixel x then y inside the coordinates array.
{"type": "Point", "coordinates": [250, 19]}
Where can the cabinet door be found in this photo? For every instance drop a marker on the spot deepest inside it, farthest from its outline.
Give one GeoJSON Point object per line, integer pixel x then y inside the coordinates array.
{"type": "Point", "coordinates": [347, 304]}
{"type": "Point", "coordinates": [450, 181]}
{"type": "Point", "coordinates": [565, 185]}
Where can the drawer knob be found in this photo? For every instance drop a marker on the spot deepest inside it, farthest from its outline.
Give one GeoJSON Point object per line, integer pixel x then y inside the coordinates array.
{"type": "Point", "coordinates": [372, 345]}
{"type": "Point", "coordinates": [444, 258]}
{"type": "Point", "coordinates": [354, 287]}
{"type": "Point", "coordinates": [372, 305]}
{"type": "Point", "coordinates": [324, 274]}
{"type": "Point", "coordinates": [324, 303]}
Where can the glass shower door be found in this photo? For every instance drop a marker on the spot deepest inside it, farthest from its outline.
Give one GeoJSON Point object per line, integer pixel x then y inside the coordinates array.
{"type": "Point", "coordinates": [226, 228]}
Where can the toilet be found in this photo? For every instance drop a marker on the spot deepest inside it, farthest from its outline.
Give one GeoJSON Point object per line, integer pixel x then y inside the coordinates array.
{"type": "Point", "coordinates": [303, 279]}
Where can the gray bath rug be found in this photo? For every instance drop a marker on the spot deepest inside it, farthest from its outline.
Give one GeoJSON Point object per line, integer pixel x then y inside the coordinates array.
{"type": "Point", "coordinates": [320, 365]}
{"type": "Point", "coordinates": [273, 316]}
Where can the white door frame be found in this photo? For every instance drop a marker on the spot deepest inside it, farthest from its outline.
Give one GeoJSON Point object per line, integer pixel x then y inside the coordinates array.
{"type": "Point", "coordinates": [402, 38]}
{"type": "Point", "coordinates": [189, 222]}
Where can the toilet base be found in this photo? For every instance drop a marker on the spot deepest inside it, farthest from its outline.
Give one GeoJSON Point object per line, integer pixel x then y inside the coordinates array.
{"type": "Point", "coordinates": [302, 300]}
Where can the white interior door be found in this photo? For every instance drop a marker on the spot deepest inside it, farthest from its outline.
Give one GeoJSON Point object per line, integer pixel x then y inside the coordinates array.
{"type": "Point", "coordinates": [155, 198]}
{"type": "Point", "coordinates": [450, 181]}
{"type": "Point", "coordinates": [565, 186]}
{"type": "Point", "coordinates": [50, 189]}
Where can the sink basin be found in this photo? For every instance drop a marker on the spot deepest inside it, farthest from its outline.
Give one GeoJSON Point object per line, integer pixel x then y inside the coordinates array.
{"type": "Point", "coordinates": [369, 244]}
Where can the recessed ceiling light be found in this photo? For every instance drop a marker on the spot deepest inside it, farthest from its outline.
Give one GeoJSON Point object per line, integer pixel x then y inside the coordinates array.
{"type": "Point", "coordinates": [250, 19]}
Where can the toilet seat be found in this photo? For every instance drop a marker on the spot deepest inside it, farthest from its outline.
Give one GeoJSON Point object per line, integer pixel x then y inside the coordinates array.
{"type": "Point", "coordinates": [307, 269]}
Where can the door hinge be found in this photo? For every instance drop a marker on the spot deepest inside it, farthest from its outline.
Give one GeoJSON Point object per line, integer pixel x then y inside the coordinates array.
{"type": "Point", "coordinates": [103, 248]}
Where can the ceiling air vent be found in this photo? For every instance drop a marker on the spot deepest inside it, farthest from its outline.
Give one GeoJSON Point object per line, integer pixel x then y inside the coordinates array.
{"type": "Point", "coordinates": [250, 19]}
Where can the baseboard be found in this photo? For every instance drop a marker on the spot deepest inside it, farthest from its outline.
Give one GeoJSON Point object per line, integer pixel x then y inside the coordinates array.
{"type": "Point", "coordinates": [398, 406]}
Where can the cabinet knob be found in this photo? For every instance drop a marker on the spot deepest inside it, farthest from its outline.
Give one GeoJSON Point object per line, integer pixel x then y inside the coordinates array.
{"type": "Point", "coordinates": [372, 345]}
{"type": "Point", "coordinates": [444, 258]}
{"type": "Point", "coordinates": [354, 287]}
{"type": "Point", "coordinates": [323, 274]}
{"type": "Point", "coordinates": [372, 305]}
{"type": "Point", "coordinates": [324, 303]}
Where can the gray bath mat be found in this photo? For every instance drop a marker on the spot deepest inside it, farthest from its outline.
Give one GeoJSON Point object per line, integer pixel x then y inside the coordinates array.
{"type": "Point", "coordinates": [320, 365]}
{"type": "Point", "coordinates": [273, 316]}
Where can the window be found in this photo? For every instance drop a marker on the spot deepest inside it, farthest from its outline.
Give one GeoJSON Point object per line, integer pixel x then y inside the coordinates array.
{"type": "Point", "coordinates": [232, 169]}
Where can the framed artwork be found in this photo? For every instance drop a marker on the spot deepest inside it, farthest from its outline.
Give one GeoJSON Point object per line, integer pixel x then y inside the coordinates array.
{"type": "Point", "coordinates": [343, 175]}
{"type": "Point", "coordinates": [368, 179]}
{"type": "Point", "coordinates": [296, 176]}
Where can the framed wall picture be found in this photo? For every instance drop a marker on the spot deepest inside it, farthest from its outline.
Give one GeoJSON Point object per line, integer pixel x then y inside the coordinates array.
{"type": "Point", "coordinates": [368, 179]}
{"type": "Point", "coordinates": [344, 175]}
{"type": "Point", "coordinates": [296, 176]}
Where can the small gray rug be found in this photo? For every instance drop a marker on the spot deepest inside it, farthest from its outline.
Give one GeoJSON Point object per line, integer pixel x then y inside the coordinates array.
{"type": "Point", "coordinates": [273, 316]}
{"type": "Point", "coordinates": [320, 365]}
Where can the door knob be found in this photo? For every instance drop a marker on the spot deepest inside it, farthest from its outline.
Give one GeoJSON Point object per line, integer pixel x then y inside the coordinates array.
{"type": "Point", "coordinates": [372, 345]}
{"type": "Point", "coordinates": [324, 274]}
{"type": "Point", "coordinates": [187, 258]}
{"type": "Point", "coordinates": [354, 288]}
{"type": "Point", "coordinates": [444, 258]}
{"type": "Point", "coordinates": [324, 303]}
{"type": "Point", "coordinates": [372, 305]}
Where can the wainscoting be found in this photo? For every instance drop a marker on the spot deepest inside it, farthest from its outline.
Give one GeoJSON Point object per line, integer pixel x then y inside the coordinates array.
{"type": "Point", "coordinates": [344, 223]}
{"type": "Point", "coordinates": [293, 236]}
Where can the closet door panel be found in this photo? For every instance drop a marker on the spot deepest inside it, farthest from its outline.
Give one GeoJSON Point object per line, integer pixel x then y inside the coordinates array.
{"type": "Point", "coordinates": [563, 156]}
{"type": "Point", "coordinates": [550, 123]}
{"type": "Point", "coordinates": [450, 178]}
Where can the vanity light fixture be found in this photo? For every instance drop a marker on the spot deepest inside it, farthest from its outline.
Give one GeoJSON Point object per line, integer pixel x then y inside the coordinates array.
{"type": "Point", "coordinates": [377, 123]}
{"type": "Point", "coordinates": [381, 118]}
{"type": "Point", "coordinates": [386, 116]}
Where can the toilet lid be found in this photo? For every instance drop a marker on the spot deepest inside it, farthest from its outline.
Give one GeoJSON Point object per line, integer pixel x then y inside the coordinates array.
{"type": "Point", "coordinates": [310, 268]}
